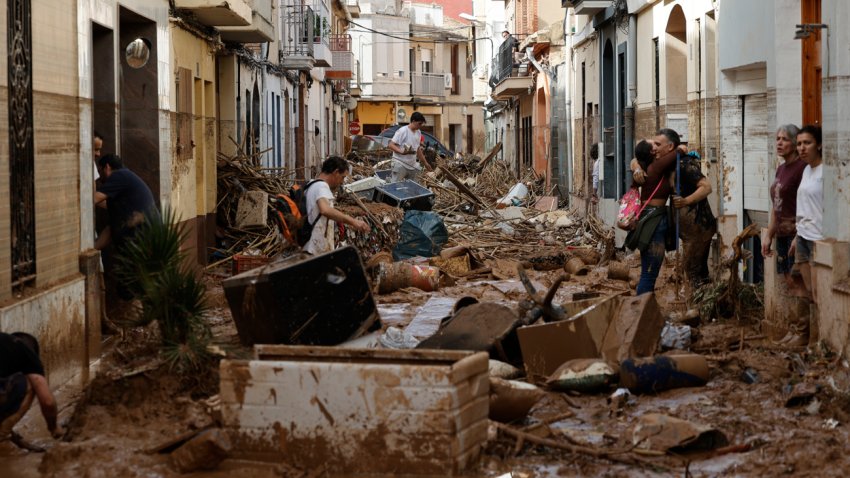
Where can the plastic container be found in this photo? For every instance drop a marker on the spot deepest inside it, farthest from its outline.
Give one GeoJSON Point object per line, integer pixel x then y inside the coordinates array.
{"type": "Point", "coordinates": [514, 196]}
{"type": "Point", "coordinates": [242, 263]}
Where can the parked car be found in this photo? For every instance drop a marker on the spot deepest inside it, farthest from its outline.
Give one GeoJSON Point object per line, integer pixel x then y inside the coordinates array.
{"type": "Point", "coordinates": [368, 143]}
{"type": "Point", "coordinates": [430, 141]}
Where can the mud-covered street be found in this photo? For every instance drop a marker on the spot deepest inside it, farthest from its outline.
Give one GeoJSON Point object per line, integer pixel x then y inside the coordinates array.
{"type": "Point", "coordinates": [782, 411]}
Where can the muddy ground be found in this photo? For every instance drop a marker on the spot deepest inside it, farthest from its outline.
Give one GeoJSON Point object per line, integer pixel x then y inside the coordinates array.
{"type": "Point", "coordinates": [135, 405]}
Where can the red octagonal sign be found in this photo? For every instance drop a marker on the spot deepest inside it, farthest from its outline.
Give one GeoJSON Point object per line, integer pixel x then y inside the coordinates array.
{"type": "Point", "coordinates": [354, 127]}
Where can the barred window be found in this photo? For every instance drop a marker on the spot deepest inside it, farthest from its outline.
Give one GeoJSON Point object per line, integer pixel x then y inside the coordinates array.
{"type": "Point", "coordinates": [21, 152]}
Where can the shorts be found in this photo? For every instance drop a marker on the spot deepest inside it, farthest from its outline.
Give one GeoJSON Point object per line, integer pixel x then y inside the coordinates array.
{"type": "Point", "coordinates": [805, 251]}
{"type": "Point", "coordinates": [784, 262]}
{"type": "Point", "coordinates": [13, 390]}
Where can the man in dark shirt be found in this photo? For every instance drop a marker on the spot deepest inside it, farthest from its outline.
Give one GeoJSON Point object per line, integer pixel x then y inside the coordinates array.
{"type": "Point", "coordinates": [127, 200]}
{"type": "Point", "coordinates": [22, 379]}
{"type": "Point", "coordinates": [697, 224]}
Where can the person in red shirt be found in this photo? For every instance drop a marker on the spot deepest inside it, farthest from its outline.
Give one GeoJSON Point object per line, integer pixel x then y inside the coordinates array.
{"type": "Point", "coordinates": [783, 195]}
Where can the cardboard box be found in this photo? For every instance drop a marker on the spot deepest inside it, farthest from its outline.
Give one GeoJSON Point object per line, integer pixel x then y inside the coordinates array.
{"type": "Point", "coordinates": [635, 330]}
{"type": "Point", "coordinates": [546, 346]}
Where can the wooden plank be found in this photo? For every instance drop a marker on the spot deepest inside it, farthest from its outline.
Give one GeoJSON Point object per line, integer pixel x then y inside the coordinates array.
{"type": "Point", "coordinates": [492, 154]}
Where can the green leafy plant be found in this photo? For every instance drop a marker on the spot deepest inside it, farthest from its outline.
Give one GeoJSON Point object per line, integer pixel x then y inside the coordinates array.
{"type": "Point", "coordinates": [154, 269]}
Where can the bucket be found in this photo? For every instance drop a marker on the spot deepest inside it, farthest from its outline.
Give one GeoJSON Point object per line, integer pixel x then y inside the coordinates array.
{"type": "Point", "coordinates": [398, 275]}
{"type": "Point", "coordinates": [576, 266]}
{"type": "Point", "coordinates": [618, 271]}
{"type": "Point", "coordinates": [663, 372]}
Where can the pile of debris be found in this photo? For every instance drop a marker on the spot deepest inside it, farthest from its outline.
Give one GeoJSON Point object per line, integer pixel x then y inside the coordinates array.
{"type": "Point", "coordinates": [242, 213]}
{"type": "Point", "coordinates": [248, 223]}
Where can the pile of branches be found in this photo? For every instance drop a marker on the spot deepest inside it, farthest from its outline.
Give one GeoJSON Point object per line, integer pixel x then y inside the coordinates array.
{"type": "Point", "coordinates": [237, 175]}
{"type": "Point", "coordinates": [384, 220]}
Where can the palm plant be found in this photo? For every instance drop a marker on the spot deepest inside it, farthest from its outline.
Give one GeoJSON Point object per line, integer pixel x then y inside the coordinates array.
{"type": "Point", "coordinates": [154, 269]}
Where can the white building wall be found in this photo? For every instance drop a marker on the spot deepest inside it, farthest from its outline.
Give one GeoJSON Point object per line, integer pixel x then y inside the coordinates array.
{"type": "Point", "coordinates": [836, 119]}
{"type": "Point", "coordinates": [383, 60]}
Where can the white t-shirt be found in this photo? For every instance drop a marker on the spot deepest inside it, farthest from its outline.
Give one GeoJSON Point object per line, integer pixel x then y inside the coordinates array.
{"type": "Point", "coordinates": [810, 204]}
{"type": "Point", "coordinates": [322, 238]}
{"type": "Point", "coordinates": [405, 136]}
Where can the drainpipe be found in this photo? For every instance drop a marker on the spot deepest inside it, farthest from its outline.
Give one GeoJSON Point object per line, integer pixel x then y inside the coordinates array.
{"type": "Point", "coordinates": [631, 66]}
{"type": "Point", "coordinates": [568, 115]}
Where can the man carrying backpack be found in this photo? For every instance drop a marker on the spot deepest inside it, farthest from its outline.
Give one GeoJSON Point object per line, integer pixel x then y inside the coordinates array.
{"type": "Point", "coordinates": [321, 213]}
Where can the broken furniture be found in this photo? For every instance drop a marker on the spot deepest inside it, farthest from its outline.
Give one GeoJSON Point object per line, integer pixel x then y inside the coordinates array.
{"type": "Point", "coordinates": [321, 300]}
{"type": "Point", "coordinates": [358, 411]}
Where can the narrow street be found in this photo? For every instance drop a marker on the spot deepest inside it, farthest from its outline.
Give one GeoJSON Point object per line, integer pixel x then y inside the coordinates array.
{"type": "Point", "coordinates": [485, 238]}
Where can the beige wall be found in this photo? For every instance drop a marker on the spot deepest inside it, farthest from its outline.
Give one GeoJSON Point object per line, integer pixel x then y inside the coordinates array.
{"type": "Point", "coordinates": [55, 113]}
{"type": "Point", "coordinates": [53, 311]}
{"type": "Point", "coordinates": [193, 179]}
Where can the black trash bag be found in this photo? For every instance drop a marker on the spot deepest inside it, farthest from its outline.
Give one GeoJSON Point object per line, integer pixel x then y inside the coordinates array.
{"type": "Point", "coordinates": [421, 234]}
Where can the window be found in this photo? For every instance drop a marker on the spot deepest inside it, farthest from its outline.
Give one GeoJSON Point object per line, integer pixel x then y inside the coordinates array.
{"type": "Point", "coordinates": [21, 148]}
{"type": "Point", "coordinates": [454, 66]}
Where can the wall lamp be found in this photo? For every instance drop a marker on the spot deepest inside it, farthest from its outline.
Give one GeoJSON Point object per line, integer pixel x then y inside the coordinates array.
{"type": "Point", "coordinates": [806, 29]}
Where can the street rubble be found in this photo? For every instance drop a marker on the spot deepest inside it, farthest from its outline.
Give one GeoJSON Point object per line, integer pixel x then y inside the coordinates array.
{"type": "Point", "coordinates": [493, 334]}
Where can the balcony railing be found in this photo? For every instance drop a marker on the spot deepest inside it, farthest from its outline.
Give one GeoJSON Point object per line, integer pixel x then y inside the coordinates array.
{"type": "Point", "coordinates": [343, 57]}
{"type": "Point", "coordinates": [505, 64]}
{"type": "Point", "coordinates": [322, 25]}
{"type": "Point", "coordinates": [339, 42]}
{"type": "Point", "coordinates": [298, 26]}
{"type": "Point", "coordinates": [428, 84]}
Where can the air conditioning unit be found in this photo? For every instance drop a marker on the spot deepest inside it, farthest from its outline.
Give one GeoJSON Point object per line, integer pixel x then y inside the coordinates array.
{"type": "Point", "coordinates": [447, 80]}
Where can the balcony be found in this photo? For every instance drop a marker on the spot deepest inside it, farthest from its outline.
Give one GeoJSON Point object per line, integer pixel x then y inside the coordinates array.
{"type": "Point", "coordinates": [296, 44]}
{"type": "Point", "coordinates": [353, 8]}
{"type": "Point", "coordinates": [321, 35]}
{"type": "Point", "coordinates": [260, 29]}
{"type": "Point", "coordinates": [510, 74]}
{"type": "Point", "coordinates": [218, 13]}
{"type": "Point", "coordinates": [428, 84]}
{"type": "Point", "coordinates": [586, 7]}
{"type": "Point", "coordinates": [343, 58]}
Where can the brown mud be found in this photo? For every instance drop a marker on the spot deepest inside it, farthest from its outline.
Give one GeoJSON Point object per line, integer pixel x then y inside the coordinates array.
{"type": "Point", "coordinates": [134, 405]}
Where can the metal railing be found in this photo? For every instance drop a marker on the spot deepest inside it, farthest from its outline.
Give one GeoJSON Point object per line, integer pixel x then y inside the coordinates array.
{"type": "Point", "coordinates": [428, 84]}
{"type": "Point", "coordinates": [322, 25]}
{"type": "Point", "coordinates": [340, 42]}
{"type": "Point", "coordinates": [505, 63]}
{"type": "Point", "coordinates": [297, 34]}
{"type": "Point", "coordinates": [343, 57]}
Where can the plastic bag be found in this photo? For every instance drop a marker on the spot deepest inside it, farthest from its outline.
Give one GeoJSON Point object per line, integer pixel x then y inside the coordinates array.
{"type": "Point", "coordinates": [422, 234]}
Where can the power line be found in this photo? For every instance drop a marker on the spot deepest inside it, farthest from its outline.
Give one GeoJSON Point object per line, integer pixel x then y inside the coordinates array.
{"type": "Point", "coordinates": [414, 39]}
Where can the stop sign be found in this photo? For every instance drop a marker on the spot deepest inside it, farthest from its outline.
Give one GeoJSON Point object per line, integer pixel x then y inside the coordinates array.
{"type": "Point", "coordinates": [354, 127]}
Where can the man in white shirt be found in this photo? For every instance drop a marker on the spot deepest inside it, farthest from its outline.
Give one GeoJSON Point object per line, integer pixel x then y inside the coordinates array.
{"type": "Point", "coordinates": [320, 207]}
{"type": "Point", "coordinates": [406, 146]}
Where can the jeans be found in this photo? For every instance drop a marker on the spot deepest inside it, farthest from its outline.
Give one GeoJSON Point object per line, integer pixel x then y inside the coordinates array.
{"type": "Point", "coordinates": [400, 173]}
{"type": "Point", "coordinates": [652, 257]}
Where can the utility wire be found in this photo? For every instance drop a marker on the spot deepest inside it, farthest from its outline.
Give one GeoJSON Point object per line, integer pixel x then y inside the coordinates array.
{"type": "Point", "coordinates": [414, 39]}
